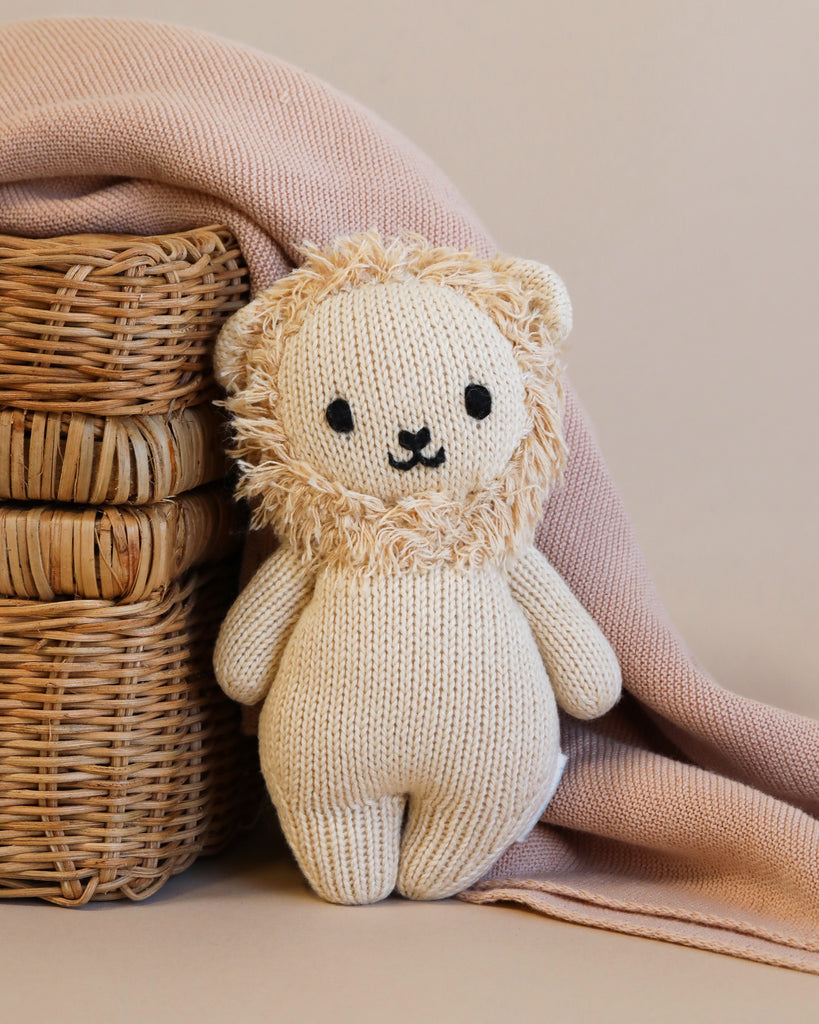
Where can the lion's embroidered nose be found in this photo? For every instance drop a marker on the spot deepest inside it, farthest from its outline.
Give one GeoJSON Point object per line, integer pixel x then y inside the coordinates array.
{"type": "Point", "coordinates": [414, 442]}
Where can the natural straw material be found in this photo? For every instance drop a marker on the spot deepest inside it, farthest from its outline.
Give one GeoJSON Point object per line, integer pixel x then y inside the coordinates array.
{"type": "Point", "coordinates": [120, 759]}
{"type": "Point", "coordinates": [112, 324]}
{"type": "Point", "coordinates": [691, 814]}
{"type": "Point", "coordinates": [52, 456]}
{"type": "Point", "coordinates": [112, 552]}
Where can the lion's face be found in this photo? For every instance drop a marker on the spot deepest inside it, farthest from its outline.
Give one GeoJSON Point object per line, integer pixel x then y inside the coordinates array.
{"type": "Point", "coordinates": [394, 389]}
{"type": "Point", "coordinates": [397, 404]}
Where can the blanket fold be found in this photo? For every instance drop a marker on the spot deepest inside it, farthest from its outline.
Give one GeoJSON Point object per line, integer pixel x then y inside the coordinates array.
{"type": "Point", "coordinates": [689, 813]}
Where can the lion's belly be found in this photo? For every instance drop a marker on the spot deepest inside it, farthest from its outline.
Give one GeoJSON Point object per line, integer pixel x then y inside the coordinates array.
{"type": "Point", "coordinates": [426, 682]}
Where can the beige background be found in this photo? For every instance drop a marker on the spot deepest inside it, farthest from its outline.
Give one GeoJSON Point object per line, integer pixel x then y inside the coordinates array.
{"type": "Point", "coordinates": [664, 157]}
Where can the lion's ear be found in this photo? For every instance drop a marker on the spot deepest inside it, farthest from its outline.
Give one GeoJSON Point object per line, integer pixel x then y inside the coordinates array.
{"type": "Point", "coordinates": [234, 342]}
{"type": "Point", "coordinates": [547, 291]}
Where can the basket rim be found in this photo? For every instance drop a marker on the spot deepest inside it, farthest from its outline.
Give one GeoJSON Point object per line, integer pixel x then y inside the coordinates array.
{"type": "Point", "coordinates": [84, 458]}
{"type": "Point", "coordinates": [116, 241]}
{"type": "Point", "coordinates": [120, 552]}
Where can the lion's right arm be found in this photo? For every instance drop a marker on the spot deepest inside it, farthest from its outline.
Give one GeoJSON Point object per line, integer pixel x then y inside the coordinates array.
{"type": "Point", "coordinates": [258, 625]}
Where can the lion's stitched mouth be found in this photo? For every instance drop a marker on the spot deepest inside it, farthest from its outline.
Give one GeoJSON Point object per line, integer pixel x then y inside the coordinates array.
{"type": "Point", "coordinates": [425, 460]}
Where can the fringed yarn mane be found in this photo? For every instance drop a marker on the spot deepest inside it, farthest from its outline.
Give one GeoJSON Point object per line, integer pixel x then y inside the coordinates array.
{"type": "Point", "coordinates": [324, 521]}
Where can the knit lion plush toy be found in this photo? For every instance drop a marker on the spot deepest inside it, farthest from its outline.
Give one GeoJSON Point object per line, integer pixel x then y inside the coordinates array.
{"type": "Point", "coordinates": [397, 420]}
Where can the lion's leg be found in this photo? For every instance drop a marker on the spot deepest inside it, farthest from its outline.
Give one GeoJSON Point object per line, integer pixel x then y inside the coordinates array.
{"type": "Point", "coordinates": [348, 854]}
{"type": "Point", "coordinates": [444, 850]}
{"type": "Point", "coordinates": [450, 842]}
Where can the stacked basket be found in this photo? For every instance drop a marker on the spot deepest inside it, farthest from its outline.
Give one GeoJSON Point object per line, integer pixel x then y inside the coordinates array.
{"type": "Point", "coordinates": [120, 760]}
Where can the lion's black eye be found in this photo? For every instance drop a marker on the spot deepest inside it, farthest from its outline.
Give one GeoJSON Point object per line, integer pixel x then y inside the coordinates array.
{"type": "Point", "coordinates": [478, 401]}
{"type": "Point", "coordinates": [340, 416]}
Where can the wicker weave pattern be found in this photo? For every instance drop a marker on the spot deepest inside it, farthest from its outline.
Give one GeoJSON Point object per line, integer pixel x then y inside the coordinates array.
{"type": "Point", "coordinates": [120, 759]}
{"type": "Point", "coordinates": [111, 552]}
{"type": "Point", "coordinates": [114, 324]}
{"type": "Point", "coordinates": [49, 456]}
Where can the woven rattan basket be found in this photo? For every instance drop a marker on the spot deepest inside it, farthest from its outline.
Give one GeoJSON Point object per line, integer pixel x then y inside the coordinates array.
{"type": "Point", "coordinates": [52, 456]}
{"type": "Point", "coordinates": [112, 552]}
{"type": "Point", "coordinates": [105, 368]}
{"type": "Point", "coordinates": [120, 759]}
{"type": "Point", "coordinates": [114, 324]}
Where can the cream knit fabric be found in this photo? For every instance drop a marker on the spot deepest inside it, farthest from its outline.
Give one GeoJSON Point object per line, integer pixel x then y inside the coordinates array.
{"type": "Point", "coordinates": [688, 813]}
{"type": "Point", "coordinates": [405, 683]}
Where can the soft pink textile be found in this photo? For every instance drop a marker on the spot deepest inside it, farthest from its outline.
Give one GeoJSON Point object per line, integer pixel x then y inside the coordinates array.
{"type": "Point", "coordinates": [687, 814]}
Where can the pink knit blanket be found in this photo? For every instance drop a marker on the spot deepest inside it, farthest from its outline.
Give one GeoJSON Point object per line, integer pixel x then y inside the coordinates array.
{"type": "Point", "coordinates": [687, 814]}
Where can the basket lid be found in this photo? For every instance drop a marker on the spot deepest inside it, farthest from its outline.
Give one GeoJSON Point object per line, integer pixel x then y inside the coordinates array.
{"type": "Point", "coordinates": [112, 552]}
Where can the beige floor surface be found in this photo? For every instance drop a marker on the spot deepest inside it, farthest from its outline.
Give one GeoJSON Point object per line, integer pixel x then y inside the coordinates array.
{"type": "Point", "coordinates": [241, 939]}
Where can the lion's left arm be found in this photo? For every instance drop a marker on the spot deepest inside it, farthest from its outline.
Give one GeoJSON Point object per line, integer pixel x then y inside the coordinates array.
{"type": "Point", "coordinates": [582, 666]}
{"type": "Point", "coordinates": [255, 631]}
